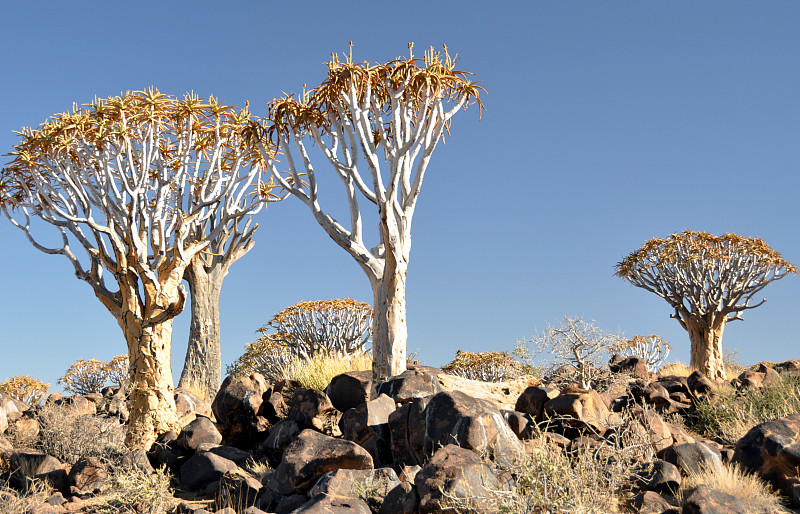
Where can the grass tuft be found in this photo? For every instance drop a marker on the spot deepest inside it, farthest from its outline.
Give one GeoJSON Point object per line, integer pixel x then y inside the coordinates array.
{"type": "Point", "coordinates": [756, 494]}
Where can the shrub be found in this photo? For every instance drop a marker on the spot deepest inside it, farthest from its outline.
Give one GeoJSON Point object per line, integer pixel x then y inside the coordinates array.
{"type": "Point", "coordinates": [118, 369]}
{"type": "Point", "coordinates": [84, 377]}
{"type": "Point", "coordinates": [132, 490]}
{"type": "Point", "coordinates": [333, 327]}
{"type": "Point", "coordinates": [485, 366]}
{"type": "Point", "coordinates": [748, 488]}
{"type": "Point", "coordinates": [25, 389]}
{"type": "Point", "coordinates": [266, 356]}
{"type": "Point", "coordinates": [68, 436]}
{"type": "Point", "coordinates": [652, 349]}
{"type": "Point", "coordinates": [576, 345]}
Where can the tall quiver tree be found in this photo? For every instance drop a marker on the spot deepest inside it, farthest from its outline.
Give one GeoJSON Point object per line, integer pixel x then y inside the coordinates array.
{"type": "Point", "coordinates": [708, 280]}
{"type": "Point", "coordinates": [202, 366]}
{"type": "Point", "coordinates": [377, 125]}
{"type": "Point", "coordinates": [131, 179]}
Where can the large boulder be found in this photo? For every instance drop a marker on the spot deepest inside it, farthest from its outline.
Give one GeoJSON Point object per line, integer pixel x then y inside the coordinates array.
{"type": "Point", "coordinates": [310, 456]}
{"type": "Point", "coordinates": [189, 405]}
{"type": "Point", "coordinates": [203, 468]}
{"type": "Point", "coordinates": [692, 458]}
{"type": "Point", "coordinates": [772, 449]}
{"type": "Point", "coordinates": [705, 500]}
{"type": "Point", "coordinates": [368, 426]}
{"type": "Point", "coordinates": [330, 504]}
{"type": "Point", "coordinates": [356, 482]}
{"type": "Point", "coordinates": [579, 409]}
{"type": "Point", "coordinates": [455, 474]}
{"type": "Point", "coordinates": [313, 409]}
{"type": "Point", "coordinates": [532, 400]}
{"type": "Point", "coordinates": [236, 407]}
{"type": "Point", "coordinates": [199, 431]}
{"type": "Point", "coordinates": [411, 384]}
{"type": "Point", "coordinates": [350, 389]}
{"type": "Point", "coordinates": [88, 474]}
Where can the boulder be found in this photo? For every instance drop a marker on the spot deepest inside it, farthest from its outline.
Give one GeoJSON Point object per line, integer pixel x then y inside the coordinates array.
{"type": "Point", "coordinates": [203, 468]}
{"type": "Point", "coordinates": [648, 502]}
{"type": "Point", "coordinates": [705, 500]}
{"type": "Point", "coordinates": [456, 474]}
{"type": "Point", "coordinates": [661, 477]}
{"type": "Point", "coordinates": [349, 390]}
{"type": "Point", "coordinates": [190, 405]}
{"type": "Point", "coordinates": [236, 406]}
{"type": "Point", "coordinates": [239, 457]}
{"type": "Point", "coordinates": [772, 449]}
{"type": "Point", "coordinates": [502, 395]}
{"type": "Point", "coordinates": [280, 435]}
{"type": "Point", "coordinates": [411, 384]}
{"type": "Point", "coordinates": [8, 412]}
{"type": "Point", "coordinates": [27, 463]}
{"type": "Point", "coordinates": [699, 383]}
{"type": "Point", "coordinates": [313, 409]}
{"type": "Point", "coordinates": [199, 431]}
{"type": "Point", "coordinates": [310, 456]}
{"type": "Point", "coordinates": [355, 483]}
{"type": "Point", "coordinates": [407, 433]}
{"type": "Point", "coordinates": [633, 365]}
{"type": "Point", "coordinates": [532, 400]}
{"type": "Point", "coordinates": [692, 457]}
{"type": "Point", "coordinates": [657, 430]}
{"type": "Point", "coordinates": [368, 426]}
{"type": "Point", "coordinates": [88, 474]}
{"type": "Point", "coordinates": [237, 488]}
{"type": "Point", "coordinates": [580, 410]}
{"type": "Point", "coordinates": [403, 499]}
{"type": "Point", "coordinates": [327, 504]}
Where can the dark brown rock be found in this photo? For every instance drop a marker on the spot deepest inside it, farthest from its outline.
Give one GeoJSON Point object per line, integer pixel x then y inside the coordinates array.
{"type": "Point", "coordinates": [772, 449]}
{"type": "Point", "coordinates": [579, 410]}
{"type": "Point", "coordinates": [200, 431]}
{"type": "Point", "coordinates": [310, 456]}
{"type": "Point", "coordinates": [633, 365]}
{"type": "Point", "coordinates": [203, 468]}
{"type": "Point", "coordinates": [368, 426]}
{"type": "Point", "coordinates": [327, 504]}
{"type": "Point", "coordinates": [532, 400]}
{"type": "Point", "coordinates": [412, 383]}
{"type": "Point", "coordinates": [649, 502]}
{"type": "Point", "coordinates": [27, 463]}
{"type": "Point", "coordinates": [236, 488]}
{"type": "Point", "coordinates": [188, 405]}
{"type": "Point", "coordinates": [692, 457]}
{"type": "Point", "coordinates": [407, 429]}
{"type": "Point", "coordinates": [403, 499]}
{"type": "Point", "coordinates": [355, 482]}
{"type": "Point", "coordinates": [88, 474]}
{"type": "Point", "coordinates": [350, 389]}
{"type": "Point", "coordinates": [705, 500]}
{"type": "Point", "coordinates": [313, 409]}
{"type": "Point", "coordinates": [455, 473]}
{"type": "Point", "coordinates": [280, 435]}
{"type": "Point", "coordinates": [236, 406]}
{"type": "Point", "coordinates": [699, 383]}
{"type": "Point", "coordinates": [661, 477]}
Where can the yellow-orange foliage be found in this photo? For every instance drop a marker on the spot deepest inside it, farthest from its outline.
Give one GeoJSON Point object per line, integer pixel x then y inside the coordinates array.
{"type": "Point", "coordinates": [25, 389]}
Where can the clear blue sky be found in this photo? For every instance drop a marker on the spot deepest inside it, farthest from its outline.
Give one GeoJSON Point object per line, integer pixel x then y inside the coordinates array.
{"type": "Point", "coordinates": [606, 124]}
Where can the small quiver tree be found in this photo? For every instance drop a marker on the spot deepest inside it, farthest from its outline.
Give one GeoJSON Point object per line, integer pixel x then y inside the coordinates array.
{"type": "Point", "coordinates": [266, 356]}
{"type": "Point", "coordinates": [484, 366]}
{"type": "Point", "coordinates": [651, 349]}
{"type": "Point", "coordinates": [85, 376]}
{"type": "Point", "coordinates": [377, 125]}
{"type": "Point", "coordinates": [708, 280]}
{"type": "Point", "coordinates": [116, 178]}
{"type": "Point", "coordinates": [25, 389]}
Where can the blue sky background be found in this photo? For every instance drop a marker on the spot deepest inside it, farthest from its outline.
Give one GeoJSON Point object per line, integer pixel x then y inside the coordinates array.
{"type": "Point", "coordinates": [606, 124]}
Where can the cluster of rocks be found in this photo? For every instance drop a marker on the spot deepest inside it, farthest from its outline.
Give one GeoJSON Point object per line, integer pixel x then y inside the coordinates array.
{"type": "Point", "coordinates": [424, 440]}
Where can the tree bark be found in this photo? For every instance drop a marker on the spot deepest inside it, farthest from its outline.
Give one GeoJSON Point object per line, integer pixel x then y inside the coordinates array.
{"type": "Point", "coordinates": [151, 400]}
{"type": "Point", "coordinates": [389, 328]}
{"type": "Point", "coordinates": [201, 373]}
{"type": "Point", "coordinates": [706, 352]}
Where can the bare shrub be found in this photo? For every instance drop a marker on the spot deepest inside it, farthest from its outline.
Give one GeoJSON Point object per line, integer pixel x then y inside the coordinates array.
{"type": "Point", "coordinates": [68, 436]}
{"type": "Point", "coordinates": [25, 389]}
{"type": "Point", "coordinates": [131, 490]}
{"type": "Point", "coordinates": [485, 366]}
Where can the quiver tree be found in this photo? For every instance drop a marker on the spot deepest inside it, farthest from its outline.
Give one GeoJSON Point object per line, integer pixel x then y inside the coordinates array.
{"type": "Point", "coordinates": [708, 280]}
{"type": "Point", "coordinates": [377, 125]}
{"type": "Point", "coordinates": [130, 179]}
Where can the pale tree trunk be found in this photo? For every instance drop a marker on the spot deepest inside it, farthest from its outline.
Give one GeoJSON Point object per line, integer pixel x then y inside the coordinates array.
{"type": "Point", "coordinates": [706, 352]}
{"type": "Point", "coordinates": [389, 329]}
{"type": "Point", "coordinates": [151, 400]}
{"type": "Point", "coordinates": [202, 367]}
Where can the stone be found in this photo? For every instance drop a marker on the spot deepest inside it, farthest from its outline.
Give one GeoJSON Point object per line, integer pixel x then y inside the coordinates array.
{"type": "Point", "coordinates": [28, 463]}
{"type": "Point", "coordinates": [648, 502]}
{"type": "Point", "coordinates": [519, 423]}
{"type": "Point", "coordinates": [633, 365]}
{"type": "Point", "coordinates": [88, 474]}
{"type": "Point", "coordinates": [532, 400]}
{"type": "Point", "coordinates": [699, 383]}
{"type": "Point", "coordinates": [751, 379]}
{"type": "Point", "coordinates": [203, 468]}
{"type": "Point", "coordinates": [579, 410]}
{"type": "Point", "coordinates": [349, 390]}
{"type": "Point", "coordinates": [455, 473]}
{"type": "Point", "coordinates": [772, 449]}
{"type": "Point", "coordinates": [199, 431]}
{"type": "Point", "coordinates": [236, 406]}
{"type": "Point", "coordinates": [237, 456]}
{"type": "Point", "coordinates": [409, 385]}
{"type": "Point", "coordinates": [138, 459]}
{"type": "Point", "coordinates": [692, 457]}
{"type": "Point", "coordinates": [368, 426]}
{"type": "Point", "coordinates": [503, 395]}
{"type": "Point", "coordinates": [8, 412]}
{"type": "Point", "coordinates": [189, 405]}
{"type": "Point", "coordinates": [407, 433]}
{"type": "Point", "coordinates": [661, 477]}
{"type": "Point", "coordinates": [313, 409]}
{"type": "Point", "coordinates": [290, 503]}
{"type": "Point", "coordinates": [27, 429]}
{"type": "Point", "coordinates": [657, 430]}
{"type": "Point", "coordinates": [236, 488]}
{"type": "Point", "coordinates": [326, 504]}
{"type": "Point", "coordinates": [354, 483]}
{"type": "Point", "coordinates": [403, 499]}
{"type": "Point", "coordinates": [705, 500]}
{"type": "Point", "coordinates": [310, 456]}
{"type": "Point", "coordinates": [280, 435]}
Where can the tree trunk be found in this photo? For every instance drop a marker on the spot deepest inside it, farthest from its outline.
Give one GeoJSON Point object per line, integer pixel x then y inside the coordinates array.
{"type": "Point", "coordinates": [151, 400]}
{"type": "Point", "coordinates": [389, 329]}
{"type": "Point", "coordinates": [706, 350]}
{"type": "Point", "coordinates": [202, 367]}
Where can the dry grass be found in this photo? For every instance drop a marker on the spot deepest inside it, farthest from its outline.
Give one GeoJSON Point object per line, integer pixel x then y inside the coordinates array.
{"type": "Point", "coordinates": [679, 369]}
{"type": "Point", "coordinates": [748, 488]}
{"type": "Point", "coordinates": [318, 372]}
{"type": "Point", "coordinates": [14, 502]}
{"type": "Point", "coordinates": [131, 490]}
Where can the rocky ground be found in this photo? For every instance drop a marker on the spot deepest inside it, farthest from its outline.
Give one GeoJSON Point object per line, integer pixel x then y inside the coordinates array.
{"type": "Point", "coordinates": [422, 442]}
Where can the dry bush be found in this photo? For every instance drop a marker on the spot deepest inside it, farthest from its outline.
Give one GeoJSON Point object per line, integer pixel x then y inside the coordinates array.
{"type": "Point", "coordinates": [68, 436]}
{"type": "Point", "coordinates": [484, 366]}
{"type": "Point", "coordinates": [25, 389]}
{"type": "Point", "coordinates": [756, 494]}
{"type": "Point", "coordinates": [131, 490]}
{"type": "Point", "coordinates": [15, 502]}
